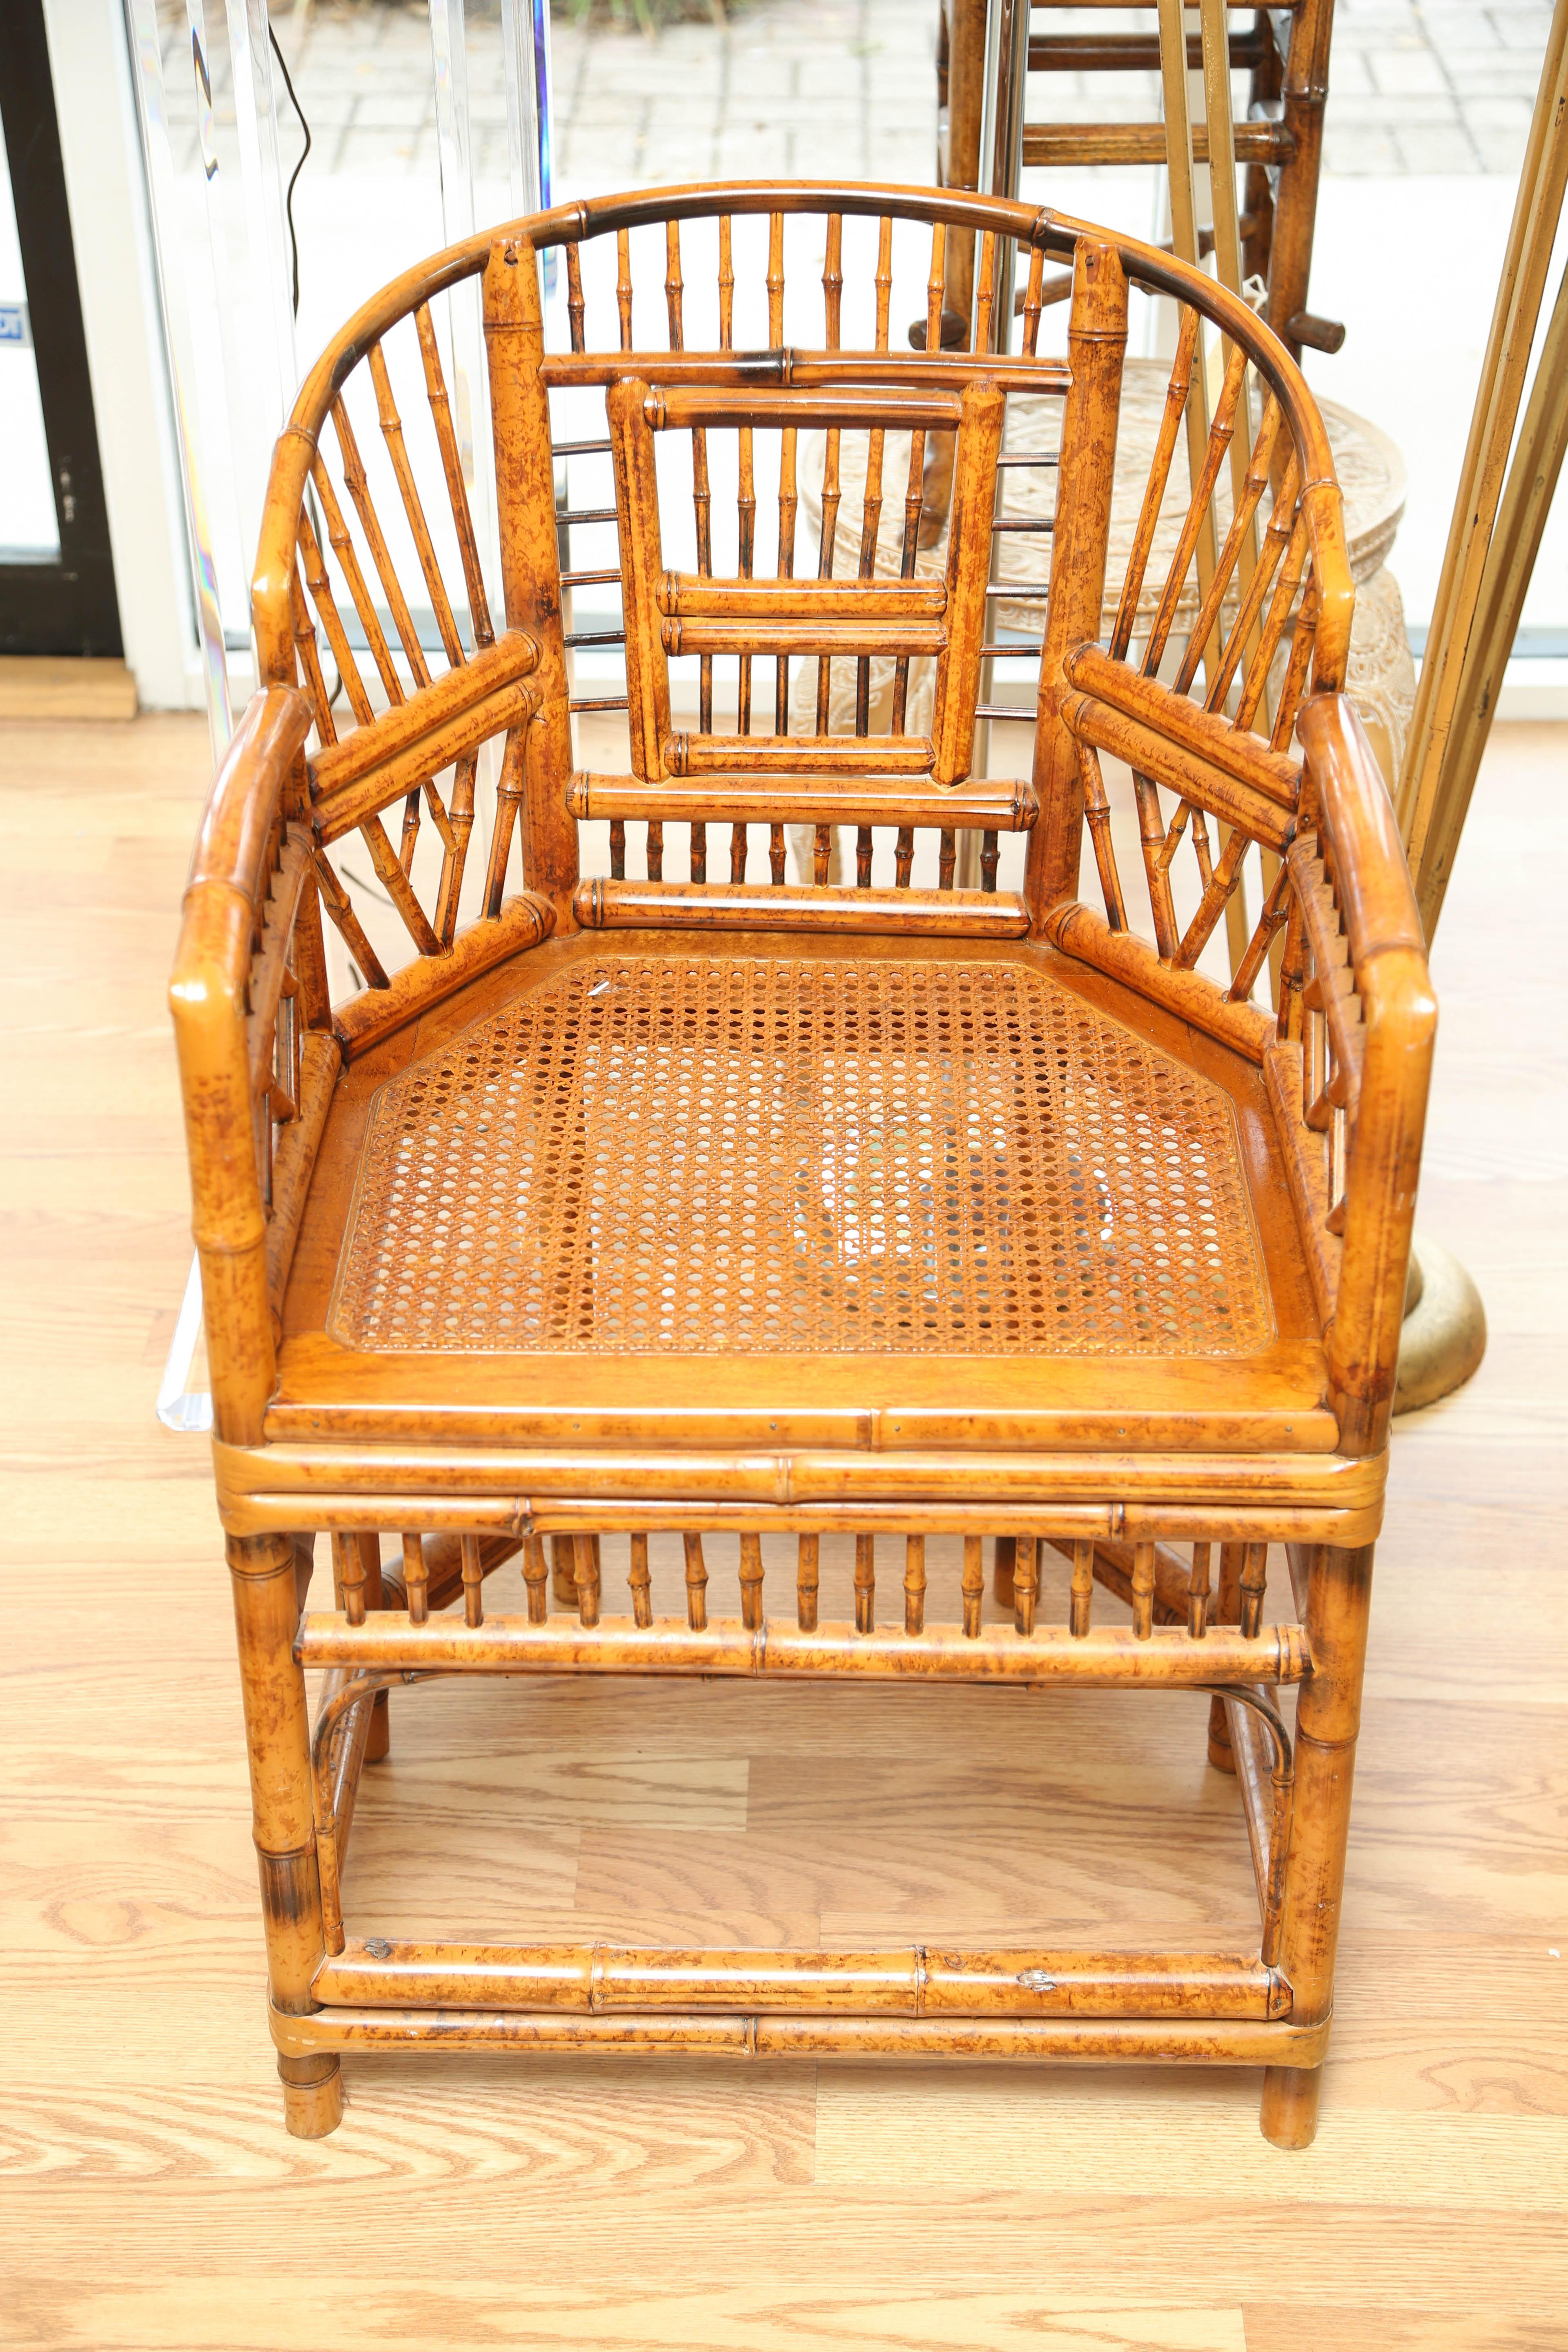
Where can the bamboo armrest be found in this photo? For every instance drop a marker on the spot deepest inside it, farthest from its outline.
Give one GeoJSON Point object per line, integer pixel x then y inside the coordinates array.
{"type": "Point", "coordinates": [1387, 956]}
{"type": "Point", "coordinates": [247, 793]}
{"type": "Point", "coordinates": [438, 724]}
{"type": "Point", "coordinates": [224, 907]}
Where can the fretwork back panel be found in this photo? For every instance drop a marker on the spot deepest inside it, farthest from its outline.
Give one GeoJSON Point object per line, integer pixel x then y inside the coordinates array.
{"type": "Point", "coordinates": [712, 1154]}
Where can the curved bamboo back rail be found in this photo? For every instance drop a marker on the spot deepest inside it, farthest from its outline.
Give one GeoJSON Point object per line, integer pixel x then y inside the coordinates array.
{"type": "Point", "coordinates": [1038, 232]}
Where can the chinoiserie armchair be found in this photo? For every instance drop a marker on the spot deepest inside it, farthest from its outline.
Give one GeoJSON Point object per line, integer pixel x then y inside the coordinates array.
{"type": "Point", "coordinates": [766, 1213]}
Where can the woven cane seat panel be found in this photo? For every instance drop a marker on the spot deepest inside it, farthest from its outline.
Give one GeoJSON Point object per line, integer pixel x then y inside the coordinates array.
{"type": "Point", "coordinates": [717, 1154]}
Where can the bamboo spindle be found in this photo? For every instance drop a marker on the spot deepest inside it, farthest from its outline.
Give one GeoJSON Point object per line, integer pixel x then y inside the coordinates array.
{"type": "Point", "coordinates": [642, 1598]}
{"type": "Point", "coordinates": [1254, 1577]}
{"type": "Point", "coordinates": [536, 1579]}
{"type": "Point", "coordinates": [1198, 1592]}
{"type": "Point", "coordinates": [1097, 341]}
{"type": "Point", "coordinates": [348, 1575]}
{"type": "Point", "coordinates": [1025, 1582]}
{"type": "Point", "coordinates": [587, 1579]}
{"type": "Point", "coordinates": [806, 1572]}
{"type": "Point", "coordinates": [1226, 1610]}
{"type": "Point", "coordinates": [1184, 243]}
{"type": "Point", "coordinates": [750, 1582]}
{"type": "Point", "coordinates": [1082, 1600]}
{"type": "Point", "coordinates": [473, 1576]}
{"type": "Point", "coordinates": [530, 561]}
{"type": "Point", "coordinates": [1144, 1590]}
{"type": "Point", "coordinates": [696, 1584]}
{"type": "Point", "coordinates": [414, 1581]}
{"type": "Point", "coordinates": [915, 1584]}
{"type": "Point", "coordinates": [974, 1584]}
{"type": "Point", "coordinates": [865, 1584]}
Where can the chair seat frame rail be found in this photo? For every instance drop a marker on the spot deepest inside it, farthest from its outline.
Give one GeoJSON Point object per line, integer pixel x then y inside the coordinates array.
{"type": "Point", "coordinates": [832, 700]}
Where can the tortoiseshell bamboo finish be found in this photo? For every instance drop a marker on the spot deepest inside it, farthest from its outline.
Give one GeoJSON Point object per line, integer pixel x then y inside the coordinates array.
{"type": "Point", "coordinates": [1115, 1472]}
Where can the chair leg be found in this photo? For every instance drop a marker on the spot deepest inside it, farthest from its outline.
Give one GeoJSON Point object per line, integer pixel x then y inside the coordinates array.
{"type": "Point", "coordinates": [1290, 2104]}
{"type": "Point", "coordinates": [276, 1732]}
{"type": "Point", "coordinates": [1227, 1611]}
{"type": "Point", "coordinates": [378, 1746]}
{"type": "Point", "coordinates": [1327, 1718]}
{"type": "Point", "coordinates": [312, 2095]}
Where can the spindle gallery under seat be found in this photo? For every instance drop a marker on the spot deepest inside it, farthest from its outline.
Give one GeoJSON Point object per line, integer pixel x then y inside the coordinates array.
{"type": "Point", "coordinates": [753, 1210]}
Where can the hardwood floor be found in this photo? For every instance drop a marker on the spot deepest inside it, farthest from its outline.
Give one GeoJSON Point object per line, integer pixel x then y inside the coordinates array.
{"type": "Point", "coordinates": [149, 2196]}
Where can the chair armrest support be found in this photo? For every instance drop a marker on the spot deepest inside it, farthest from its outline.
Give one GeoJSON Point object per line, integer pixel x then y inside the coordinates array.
{"type": "Point", "coordinates": [1365, 865]}
{"type": "Point", "coordinates": [224, 907]}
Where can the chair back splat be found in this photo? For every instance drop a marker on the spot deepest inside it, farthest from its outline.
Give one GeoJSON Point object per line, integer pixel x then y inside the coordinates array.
{"type": "Point", "coordinates": [691, 1154]}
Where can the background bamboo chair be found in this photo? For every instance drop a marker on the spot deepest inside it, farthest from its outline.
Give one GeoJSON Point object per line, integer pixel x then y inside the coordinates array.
{"type": "Point", "coordinates": [1242, 185]}
{"type": "Point", "coordinates": [1273, 154]}
{"type": "Point", "coordinates": [770, 1215]}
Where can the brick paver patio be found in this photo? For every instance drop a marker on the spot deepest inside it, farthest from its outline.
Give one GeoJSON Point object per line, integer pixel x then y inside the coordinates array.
{"type": "Point", "coordinates": [842, 87]}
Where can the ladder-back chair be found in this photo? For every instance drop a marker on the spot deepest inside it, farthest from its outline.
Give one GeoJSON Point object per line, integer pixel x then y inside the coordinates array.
{"type": "Point", "coordinates": [725, 1232]}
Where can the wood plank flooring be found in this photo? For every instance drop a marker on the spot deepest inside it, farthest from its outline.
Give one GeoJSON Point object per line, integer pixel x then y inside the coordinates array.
{"type": "Point", "coordinates": [149, 2196]}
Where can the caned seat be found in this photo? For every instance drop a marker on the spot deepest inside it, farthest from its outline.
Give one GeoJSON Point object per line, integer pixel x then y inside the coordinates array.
{"type": "Point", "coordinates": [613, 1220]}
{"type": "Point", "coordinates": [943, 1185]}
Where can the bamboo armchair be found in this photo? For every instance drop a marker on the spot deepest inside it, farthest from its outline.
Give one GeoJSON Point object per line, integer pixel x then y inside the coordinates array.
{"type": "Point", "coordinates": [771, 1214]}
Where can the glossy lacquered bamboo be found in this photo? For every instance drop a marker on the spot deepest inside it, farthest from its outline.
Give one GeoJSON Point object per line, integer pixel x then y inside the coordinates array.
{"type": "Point", "coordinates": [957, 690]}
{"type": "Point", "coordinates": [531, 564]}
{"type": "Point", "coordinates": [1166, 1658]}
{"type": "Point", "coordinates": [1097, 341]}
{"type": "Point", "coordinates": [460, 1509]}
{"type": "Point", "coordinates": [998, 807]}
{"type": "Point", "coordinates": [1399, 1017]}
{"type": "Point", "coordinates": [692, 595]}
{"type": "Point", "coordinates": [914, 411]}
{"type": "Point", "coordinates": [1211, 737]}
{"type": "Point", "coordinates": [1074, 145]}
{"type": "Point", "coordinates": [272, 1690]}
{"type": "Point", "coordinates": [1194, 777]}
{"type": "Point", "coordinates": [797, 755]}
{"type": "Point", "coordinates": [800, 907]}
{"type": "Point", "coordinates": [801, 370]}
{"type": "Point", "coordinates": [1164, 2040]}
{"type": "Point", "coordinates": [1079, 931]}
{"type": "Point", "coordinates": [601, 1979]}
{"type": "Point", "coordinates": [1328, 1721]}
{"type": "Point", "coordinates": [368, 1020]}
{"type": "Point", "coordinates": [830, 634]}
{"type": "Point", "coordinates": [1099, 1491]}
{"type": "Point", "coordinates": [396, 751]}
{"type": "Point", "coordinates": [207, 997]}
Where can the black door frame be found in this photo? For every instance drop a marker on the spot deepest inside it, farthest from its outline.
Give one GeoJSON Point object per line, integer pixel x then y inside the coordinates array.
{"type": "Point", "coordinates": [65, 606]}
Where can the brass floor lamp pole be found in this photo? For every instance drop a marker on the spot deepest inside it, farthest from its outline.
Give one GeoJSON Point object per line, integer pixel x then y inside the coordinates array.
{"type": "Point", "coordinates": [1494, 538]}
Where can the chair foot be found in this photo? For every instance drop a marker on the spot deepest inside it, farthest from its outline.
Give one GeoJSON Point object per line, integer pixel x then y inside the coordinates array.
{"type": "Point", "coordinates": [1222, 1756]}
{"type": "Point", "coordinates": [1290, 2104]}
{"type": "Point", "coordinates": [378, 1745]}
{"type": "Point", "coordinates": [312, 2095]}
